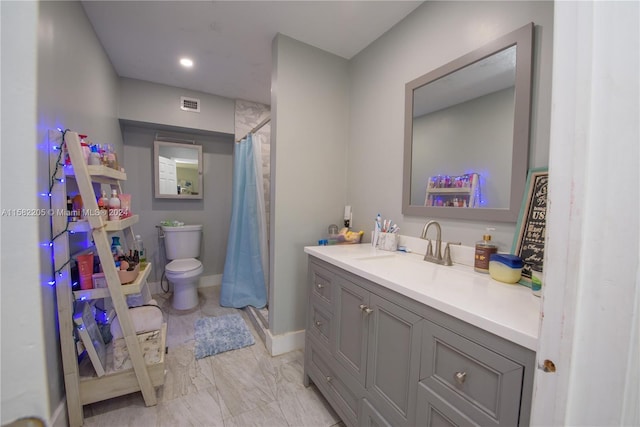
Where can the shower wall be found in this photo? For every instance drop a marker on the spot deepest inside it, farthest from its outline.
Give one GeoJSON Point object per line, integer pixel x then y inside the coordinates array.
{"type": "Point", "coordinates": [248, 114]}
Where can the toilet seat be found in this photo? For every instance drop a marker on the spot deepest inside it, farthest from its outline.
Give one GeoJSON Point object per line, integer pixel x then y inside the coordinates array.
{"type": "Point", "coordinates": [186, 265]}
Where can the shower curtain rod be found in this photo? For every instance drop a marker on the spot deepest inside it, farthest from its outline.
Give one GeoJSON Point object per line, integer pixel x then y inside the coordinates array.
{"type": "Point", "coordinates": [256, 129]}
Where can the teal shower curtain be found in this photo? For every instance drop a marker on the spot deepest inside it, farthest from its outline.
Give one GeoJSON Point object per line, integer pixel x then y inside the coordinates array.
{"type": "Point", "coordinates": [243, 279]}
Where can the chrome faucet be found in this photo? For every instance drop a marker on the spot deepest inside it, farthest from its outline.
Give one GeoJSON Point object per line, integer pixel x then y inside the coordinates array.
{"type": "Point", "coordinates": [437, 257]}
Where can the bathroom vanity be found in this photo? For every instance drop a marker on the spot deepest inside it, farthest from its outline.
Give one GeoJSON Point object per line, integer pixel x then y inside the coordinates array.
{"type": "Point", "coordinates": [392, 340]}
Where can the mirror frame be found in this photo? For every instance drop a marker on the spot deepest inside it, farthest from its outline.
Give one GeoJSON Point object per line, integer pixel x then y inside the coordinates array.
{"type": "Point", "coordinates": [156, 152]}
{"type": "Point", "coordinates": [523, 39]}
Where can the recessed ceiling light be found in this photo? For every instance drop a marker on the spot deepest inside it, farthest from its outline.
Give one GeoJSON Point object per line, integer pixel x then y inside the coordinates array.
{"type": "Point", "coordinates": [186, 62]}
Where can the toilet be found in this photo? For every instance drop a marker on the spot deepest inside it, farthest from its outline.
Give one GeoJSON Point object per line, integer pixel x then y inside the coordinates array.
{"type": "Point", "coordinates": [182, 247]}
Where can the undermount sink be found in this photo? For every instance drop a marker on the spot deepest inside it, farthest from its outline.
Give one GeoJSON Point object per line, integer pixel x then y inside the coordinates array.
{"type": "Point", "coordinates": [376, 257]}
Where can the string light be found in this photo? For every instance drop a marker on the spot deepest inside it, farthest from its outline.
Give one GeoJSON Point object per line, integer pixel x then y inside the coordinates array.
{"type": "Point", "coordinates": [52, 182]}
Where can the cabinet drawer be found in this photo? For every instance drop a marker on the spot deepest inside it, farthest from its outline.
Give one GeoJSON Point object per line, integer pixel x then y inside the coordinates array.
{"type": "Point", "coordinates": [483, 384]}
{"type": "Point", "coordinates": [320, 324]}
{"type": "Point", "coordinates": [321, 282]}
{"type": "Point", "coordinates": [434, 411]}
{"type": "Point", "coordinates": [332, 385]}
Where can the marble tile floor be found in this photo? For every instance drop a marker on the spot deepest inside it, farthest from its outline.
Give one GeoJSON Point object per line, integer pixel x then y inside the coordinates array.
{"type": "Point", "coordinates": [244, 387]}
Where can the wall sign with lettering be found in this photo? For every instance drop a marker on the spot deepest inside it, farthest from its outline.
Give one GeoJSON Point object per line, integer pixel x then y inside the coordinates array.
{"type": "Point", "coordinates": [530, 231]}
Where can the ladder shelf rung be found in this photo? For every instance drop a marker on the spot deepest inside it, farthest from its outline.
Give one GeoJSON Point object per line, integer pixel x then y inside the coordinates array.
{"type": "Point", "coordinates": [132, 288]}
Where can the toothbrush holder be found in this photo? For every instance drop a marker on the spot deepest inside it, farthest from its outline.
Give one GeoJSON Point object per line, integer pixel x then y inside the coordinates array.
{"type": "Point", "coordinates": [387, 241]}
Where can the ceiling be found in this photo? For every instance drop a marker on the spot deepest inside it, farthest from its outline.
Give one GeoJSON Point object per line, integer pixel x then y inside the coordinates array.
{"type": "Point", "coordinates": [230, 41]}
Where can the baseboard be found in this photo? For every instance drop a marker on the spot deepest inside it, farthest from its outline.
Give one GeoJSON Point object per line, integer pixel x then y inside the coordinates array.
{"type": "Point", "coordinates": [284, 343]}
{"type": "Point", "coordinates": [211, 280]}
{"type": "Point", "coordinates": [59, 418]}
{"type": "Point", "coordinates": [205, 282]}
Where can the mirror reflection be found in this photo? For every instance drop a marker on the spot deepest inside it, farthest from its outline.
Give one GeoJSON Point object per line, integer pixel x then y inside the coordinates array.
{"type": "Point", "coordinates": [178, 170]}
{"type": "Point", "coordinates": [467, 133]}
{"type": "Point", "coordinates": [462, 136]}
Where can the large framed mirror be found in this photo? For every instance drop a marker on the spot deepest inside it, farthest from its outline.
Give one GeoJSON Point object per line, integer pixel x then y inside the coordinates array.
{"type": "Point", "coordinates": [178, 170]}
{"type": "Point", "coordinates": [466, 139]}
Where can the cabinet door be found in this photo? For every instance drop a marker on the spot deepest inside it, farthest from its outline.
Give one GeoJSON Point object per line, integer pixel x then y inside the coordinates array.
{"type": "Point", "coordinates": [370, 417]}
{"type": "Point", "coordinates": [393, 364]}
{"type": "Point", "coordinates": [351, 324]}
{"type": "Point", "coordinates": [434, 411]}
{"type": "Point", "coordinates": [481, 383]}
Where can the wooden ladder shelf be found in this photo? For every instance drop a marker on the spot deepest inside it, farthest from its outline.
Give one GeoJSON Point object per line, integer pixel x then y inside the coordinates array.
{"type": "Point", "coordinates": [81, 390]}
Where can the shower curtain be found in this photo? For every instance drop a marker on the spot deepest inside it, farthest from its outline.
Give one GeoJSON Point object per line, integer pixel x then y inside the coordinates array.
{"type": "Point", "coordinates": [245, 269]}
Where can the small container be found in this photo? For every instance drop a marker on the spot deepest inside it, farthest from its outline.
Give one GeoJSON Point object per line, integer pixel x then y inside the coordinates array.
{"type": "Point", "coordinates": [77, 207]}
{"type": "Point", "coordinates": [116, 247]}
{"type": "Point", "coordinates": [484, 249]}
{"type": "Point", "coordinates": [103, 206]}
{"type": "Point", "coordinates": [86, 151]}
{"type": "Point", "coordinates": [94, 156]}
{"type": "Point", "coordinates": [536, 282]}
{"type": "Point", "coordinates": [114, 206]}
{"type": "Point", "coordinates": [142, 256]}
{"type": "Point", "coordinates": [127, 276]}
{"type": "Point", "coordinates": [387, 242]}
{"type": "Point", "coordinates": [505, 268]}
{"type": "Point", "coordinates": [125, 205]}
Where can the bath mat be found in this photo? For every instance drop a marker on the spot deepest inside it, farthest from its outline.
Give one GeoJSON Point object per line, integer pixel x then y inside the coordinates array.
{"type": "Point", "coordinates": [219, 334]}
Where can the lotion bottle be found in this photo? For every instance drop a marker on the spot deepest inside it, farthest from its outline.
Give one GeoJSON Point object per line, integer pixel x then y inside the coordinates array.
{"type": "Point", "coordinates": [103, 205]}
{"type": "Point", "coordinates": [484, 249]}
{"type": "Point", "coordinates": [114, 206]}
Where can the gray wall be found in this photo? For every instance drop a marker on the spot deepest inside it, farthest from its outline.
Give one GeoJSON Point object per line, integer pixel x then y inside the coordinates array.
{"type": "Point", "coordinates": [213, 211]}
{"type": "Point", "coordinates": [76, 89]}
{"type": "Point", "coordinates": [434, 34]}
{"type": "Point", "coordinates": [147, 102]}
{"type": "Point", "coordinates": [147, 108]}
{"type": "Point", "coordinates": [310, 123]}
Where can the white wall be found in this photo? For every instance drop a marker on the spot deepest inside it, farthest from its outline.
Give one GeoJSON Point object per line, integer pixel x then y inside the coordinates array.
{"type": "Point", "coordinates": [24, 371]}
{"type": "Point", "coordinates": [308, 160]}
{"type": "Point", "coordinates": [591, 302]}
{"type": "Point", "coordinates": [76, 89]}
{"type": "Point", "coordinates": [434, 34]}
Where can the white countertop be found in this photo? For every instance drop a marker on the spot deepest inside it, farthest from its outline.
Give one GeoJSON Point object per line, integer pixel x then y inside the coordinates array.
{"type": "Point", "coordinates": [508, 311]}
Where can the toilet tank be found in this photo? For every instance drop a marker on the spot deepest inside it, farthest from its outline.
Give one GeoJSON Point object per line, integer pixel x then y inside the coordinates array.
{"type": "Point", "coordinates": [182, 241]}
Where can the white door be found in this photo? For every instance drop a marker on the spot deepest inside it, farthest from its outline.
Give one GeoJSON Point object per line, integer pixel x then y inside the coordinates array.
{"type": "Point", "coordinates": [167, 175]}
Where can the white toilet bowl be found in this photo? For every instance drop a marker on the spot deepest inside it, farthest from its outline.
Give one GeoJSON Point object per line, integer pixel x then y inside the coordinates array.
{"type": "Point", "coordinates": [182, 246]}
{"type": "Point", "coordinates": [184, 274]}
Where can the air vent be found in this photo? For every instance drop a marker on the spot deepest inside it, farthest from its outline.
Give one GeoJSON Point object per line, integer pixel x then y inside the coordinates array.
{"type": "Point", "coordinates": [190, 104]}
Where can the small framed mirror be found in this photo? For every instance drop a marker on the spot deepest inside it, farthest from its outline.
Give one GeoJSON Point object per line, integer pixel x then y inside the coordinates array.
{"type": "Point", "coordinates": [467, 133]}
{"type": "Point", "coordinates": [178, 170]}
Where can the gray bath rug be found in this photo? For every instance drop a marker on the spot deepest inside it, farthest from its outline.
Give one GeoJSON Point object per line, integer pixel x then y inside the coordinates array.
{"type": "Point", "coordinates": [219, 334]}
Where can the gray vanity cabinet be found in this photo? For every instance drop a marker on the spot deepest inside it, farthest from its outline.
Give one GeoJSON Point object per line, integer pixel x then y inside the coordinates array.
{"type": "Point", "coordinates": [477, 385]}
{"type": "Point", "coordinates": [382, 359]}
{"type": "Point", "coordinates": [372, 418]}
{"type": "Point", "coordinates": [393, 361]}
{"type": "Point", "coordinates": [352, 314]}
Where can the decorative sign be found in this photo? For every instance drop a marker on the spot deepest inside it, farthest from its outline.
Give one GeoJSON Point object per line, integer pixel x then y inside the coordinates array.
{"type": "Point", "coordinates": [529, 240]}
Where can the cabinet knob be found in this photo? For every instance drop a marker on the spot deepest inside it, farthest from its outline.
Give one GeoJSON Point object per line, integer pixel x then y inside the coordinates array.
{"type": "Point", "coordinates": [329, 379]}
{"type": "Point", "coordinates": [318, 323]}
{"type": "Point", "coordinates": [320, 285]}
{"type": "Point", "coordinates": [366, 309]}
{"type": "Point", "coordinates": [460, 377]}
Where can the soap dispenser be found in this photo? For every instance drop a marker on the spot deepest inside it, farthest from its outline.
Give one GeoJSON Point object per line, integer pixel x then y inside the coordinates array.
{"type": "Point", "coordinates": [484, 249]}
